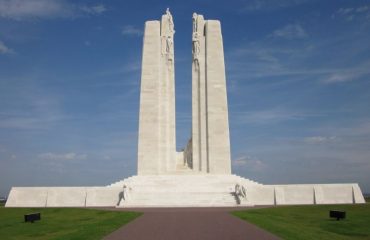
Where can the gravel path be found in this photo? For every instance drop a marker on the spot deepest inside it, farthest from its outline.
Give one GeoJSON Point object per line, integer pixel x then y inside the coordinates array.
{"type": "Point", "coordinates": [188, 223]}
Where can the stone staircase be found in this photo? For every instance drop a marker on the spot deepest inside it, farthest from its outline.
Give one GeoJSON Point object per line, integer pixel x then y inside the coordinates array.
{"type": "Point", "coordinates": [185, 190]}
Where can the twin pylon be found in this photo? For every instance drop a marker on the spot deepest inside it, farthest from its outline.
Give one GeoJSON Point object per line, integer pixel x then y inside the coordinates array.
{"type": "Point", "coordinates": [208, 150]}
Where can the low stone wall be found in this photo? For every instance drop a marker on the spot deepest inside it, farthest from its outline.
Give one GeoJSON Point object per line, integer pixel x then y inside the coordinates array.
{"type": "Point", "coordinates": [185, 191]}
{"type": "Point", "coordinates": [305, 194]}
{"type": "Point", "coordinates": [64, 197]}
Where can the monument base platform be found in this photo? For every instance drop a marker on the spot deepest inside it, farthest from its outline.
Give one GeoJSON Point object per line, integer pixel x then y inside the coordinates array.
{"type": "Point", "coordinates": [185, 191]}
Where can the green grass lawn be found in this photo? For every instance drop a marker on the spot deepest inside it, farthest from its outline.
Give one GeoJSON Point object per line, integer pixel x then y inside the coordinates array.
{"type": "Point", "coordinates": [367, 199]}
{"type": "Point", "coordinates": [61, 223]}
{"type": "Point", "coordinates": [311, 222]}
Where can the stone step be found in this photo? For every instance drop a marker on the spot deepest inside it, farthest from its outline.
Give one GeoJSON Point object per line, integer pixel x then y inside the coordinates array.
{"type": "Point", "coordinates": [173, 180]}
{"type": "Point", "coordinates": [194, 199]}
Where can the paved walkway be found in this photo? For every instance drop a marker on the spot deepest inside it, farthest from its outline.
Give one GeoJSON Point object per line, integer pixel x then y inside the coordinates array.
{"type": "Point", "coordinates": [189, 224]}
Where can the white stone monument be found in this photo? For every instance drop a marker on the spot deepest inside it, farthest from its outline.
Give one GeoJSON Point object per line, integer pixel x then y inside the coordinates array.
{"type": "Point", "coordinates": [157, 140]}
{"type": "Point", "coordinates": [200, 176]}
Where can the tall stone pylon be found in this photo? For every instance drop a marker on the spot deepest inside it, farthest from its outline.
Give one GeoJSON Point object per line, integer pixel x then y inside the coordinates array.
{"type": "Point", "coordinates": [157, 136]}
{"type": "Point", "coordinates": [210, 124]}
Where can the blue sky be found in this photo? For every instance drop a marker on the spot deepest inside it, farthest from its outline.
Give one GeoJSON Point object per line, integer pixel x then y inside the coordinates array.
{"type": "Point", "coordinates": [297, 75]}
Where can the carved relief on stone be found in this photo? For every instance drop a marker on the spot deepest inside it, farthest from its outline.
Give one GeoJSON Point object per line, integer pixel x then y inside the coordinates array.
{"type": "Point", "coordinates": [196, 46]}
{"type": "Point", "coordinates": [171, 26]}
{"type": "Point", "coordinates": [167, 37]}
{"type": "Point", "coordinates": [195, 40]}
{"type": "Point", "coordinates": [195, 24]}
{"type": "Point", "coordinates": [169, 48]}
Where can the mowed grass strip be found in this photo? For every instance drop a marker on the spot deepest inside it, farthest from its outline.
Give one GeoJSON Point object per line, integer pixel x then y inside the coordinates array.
{"type": "Point", "coordinates": [311, 222]}
{"type": "Point", "coordinates": [61, 223]}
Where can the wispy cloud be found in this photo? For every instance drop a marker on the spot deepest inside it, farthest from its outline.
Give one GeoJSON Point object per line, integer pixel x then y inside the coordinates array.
{"type": "Point", "coordinates": [29, 122]}
{"type": "Point", "coordinates": [363, 9]}
{"type": "Point", "coordinates": [348, 74]}
{"type": "Point", "coordinates": [4, 49]}
{"type": "Point", "coordinates": [341, 77]}
{"type": "Point", "coordinates": [60, 162]}
{"type": "Point", "coordinates": [290, 31]}
{"type": "Point", "coordinates": [270, 5]}
{"type": "Point", "coordinates": [130, 30]}
{"type": "Point", "coordinates": [329, 60]}
{"type": "Point", "coordinates": [252, 163]}
{"type": "Point", "coordinates": [95, 10]}
{"type": "Point", "coordinates": [30, 107]}
{"type": "Point", "coordinates": [271, 116]}
{"type": "Point", "coordinates": [132, 67]}
{"type": "Point", "coordinates": [62, 156]}
{"type": "Point", "coordinates": [269, 58]}
{"type": "Point", "coordinates": [320, 139]}
{"type": "Point", "coordinates": [351, 13]}
{"type": "Point", "coordinates": [359, 129]}
{"type": "Point", "coordinates": [45, 9]}
{"type": "Point", "coordinates": [22, 9]}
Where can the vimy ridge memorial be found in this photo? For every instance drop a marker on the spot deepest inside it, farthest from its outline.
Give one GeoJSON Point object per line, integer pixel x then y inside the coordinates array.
{"type": "Point", "coordinates": [200, 175]}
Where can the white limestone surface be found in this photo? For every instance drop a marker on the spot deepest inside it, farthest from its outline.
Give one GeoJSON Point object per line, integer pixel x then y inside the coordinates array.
{"type": "Point", "coordinates": [357, 194]}
{"type": "Point", "coordinates": [27, 197]}
{"type": "Point", "coordinates": [157, 135]}
{"type": "Point", "coordinates": [103, 196]}
{"type": "Point", "coordinates": [294, 194]}
{"type": "Point", "coordinates": [66, 197]}
{"type": "Point", "coordinates": [199, 153]}
{"type": "Point", "coordinates": [334, 193]}
{"type": "Point", "coordinates": [218, 144]}
{"type": "Point", "coordinates": [260, 195]}
{"type": "Point", "coordinates": [197, 190]}
{"type": "Point", "coordinates": [149, 138]}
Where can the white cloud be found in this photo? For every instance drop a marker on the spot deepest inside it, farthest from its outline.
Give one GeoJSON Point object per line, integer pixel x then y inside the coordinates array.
{"type": "Point", "coordinates": [345, 10]}
{"type": "Point", "coordinates": [41, 9]}
{"type": "Point", "coordinates": [30, 122]}
{"type": "Point", "coordinates": [30, 107]}
{"type": "Point", "coordinates": [271, 116]}
{"type": "Point", "coordinates": [95, 10]}
{"type": "Point", "coordinates": [351, 13]}
{"type": "Point", "coordinates": [349, 74]}
{"type": "Point", "coordinates": [130, 30]}
{"type": "Point", "coordinates": [4, 49]}
{"type": "Point", "coordinates": [240, 162]}
{"type": "Point", "coordinates": [62, 157]}
{"type": "Point", "coordinates": [32, 112]}
{"type": "Point", "coordinates": [320, 139]}
{"type": "Point", "coordinates": [128, 68]}
{"type": "Point", "coordinates": [131, 67]}
{"type": "Point", "coordinates": [358, 129]}
{"type": "Point", "coordinates": [269, 59]}
{"type": "Point", "coordinates": [290, 31]}
{"type": "Point", "coordinates": [21, 9]}
{"type": "Point", "coordinates": [341, 77]}
{"type": "Point", "coordinates": [252, 163]}
{"type": "Point", "coordinates": [362, 9]}
{"type": "Point", "coordinates": [107, 157]}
